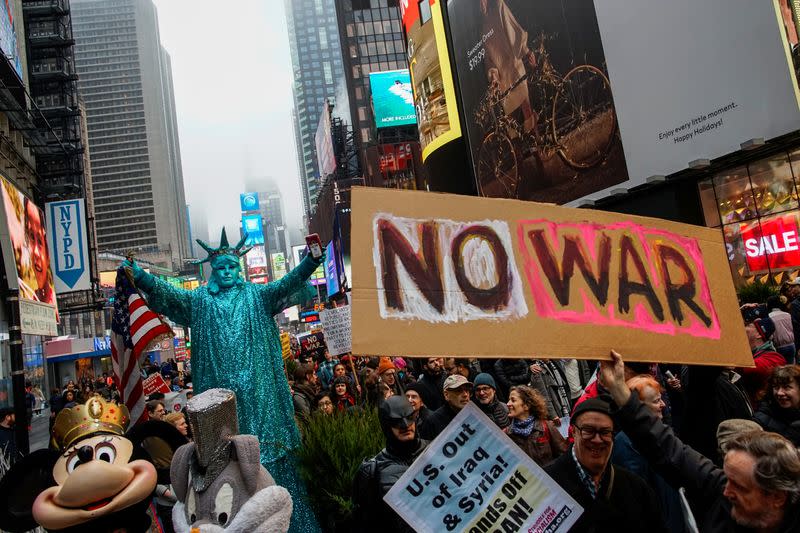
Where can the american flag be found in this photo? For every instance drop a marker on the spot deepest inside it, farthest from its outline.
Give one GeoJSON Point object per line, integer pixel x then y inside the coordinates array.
{"type": "Point", "coordinates": [134, 328]}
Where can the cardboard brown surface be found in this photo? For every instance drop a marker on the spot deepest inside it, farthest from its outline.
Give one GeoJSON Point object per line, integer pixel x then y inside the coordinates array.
{"type": "Point", "coordinates": [505, 295]}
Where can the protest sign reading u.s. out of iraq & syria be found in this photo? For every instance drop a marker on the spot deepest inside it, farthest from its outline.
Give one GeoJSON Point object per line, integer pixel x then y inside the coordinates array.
{"type": "Point", "coordinates": [473, 478]}
{"type": "Point", "coordinates": [483, 277]}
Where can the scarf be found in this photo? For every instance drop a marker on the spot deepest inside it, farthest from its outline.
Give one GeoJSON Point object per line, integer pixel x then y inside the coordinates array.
{"type": "Point", "coordinates": [522, 427]}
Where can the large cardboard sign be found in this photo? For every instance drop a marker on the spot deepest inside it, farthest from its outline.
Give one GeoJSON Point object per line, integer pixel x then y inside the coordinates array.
{"type": "Point", "coordinates": [336, 323]}
{"type": "Point", "coordinates": [464, 276]}
{"type": "Point", "coordinates": [473, 477]}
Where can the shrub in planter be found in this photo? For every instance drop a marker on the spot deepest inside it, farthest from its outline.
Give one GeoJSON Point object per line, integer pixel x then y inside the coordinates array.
{"type": "Point", "coordinates": [756, 292]}
{"type": "Point", "coordinates": [333, 448]}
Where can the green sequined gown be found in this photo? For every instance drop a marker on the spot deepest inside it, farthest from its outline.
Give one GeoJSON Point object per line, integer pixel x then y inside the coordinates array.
{"type": "Point", "coordinates": [236, 345]}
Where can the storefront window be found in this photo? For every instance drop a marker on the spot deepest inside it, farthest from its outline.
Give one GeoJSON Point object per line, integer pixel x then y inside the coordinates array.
{"type": "Point", "coordinates": [758, 209]}
{"type": "Point", "coordinates": [734, 247]}
{"type": "Point", "coordinates": [709, 201]}
{"type": "Point", "coordinates": [735, 196]}
{"type": "Point", "coordinates": [773, 185]}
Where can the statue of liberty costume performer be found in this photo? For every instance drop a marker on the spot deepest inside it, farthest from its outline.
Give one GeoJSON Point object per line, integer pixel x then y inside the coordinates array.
{"type": "Point", "coordinates": [236, 345]}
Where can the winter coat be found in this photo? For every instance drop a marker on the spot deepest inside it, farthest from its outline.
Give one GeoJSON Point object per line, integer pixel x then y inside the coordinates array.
{"type": "Point", "coordinates": [711, 398]}
{"type": "Point", "coordinates": [548, 386]}
{"type": "Point", "coordinates": [578, 373]}
{"type": "Point", "coordinates": [431, 391]}
{"type": "Point", "coordinates": [624, 502]}
{"type": "Point", "coordinates": [511, 372]}
{"type": "Point", "coordinates": [784, 332]}
{"type": "Point", "coordinates": [8, 444]}
{"type": "Point", "coordinates": [373, 480]}
{"type": "Point", "coordinates": [786, 422]}
{"type": "Point", "coordinates": [423, 414]}
{"type": "Point", "coordinates": [682, 466]}
{"type": "Point", "coordinates": [497, 411]}
{"type": "Point", "coordinates": [543, 445]}
{"type": "Point", "coordinates": [343, 403]}
{"type": "Point", "coordinates": [436, 423]}
{"type": "Point", "coordinates": [303, 399]}
{"type": "Point", "coordinates": [794, 311]}
{"type": "Point", "coordinates": [626, 456]}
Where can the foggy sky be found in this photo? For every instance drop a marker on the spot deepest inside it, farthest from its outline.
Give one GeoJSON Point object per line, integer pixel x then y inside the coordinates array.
{"type": "Point", "coordinates": [232, 77]}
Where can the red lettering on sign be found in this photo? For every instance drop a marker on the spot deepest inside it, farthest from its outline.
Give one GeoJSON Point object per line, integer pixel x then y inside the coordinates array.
{"type": "Point", "coordinates": [630, 275]}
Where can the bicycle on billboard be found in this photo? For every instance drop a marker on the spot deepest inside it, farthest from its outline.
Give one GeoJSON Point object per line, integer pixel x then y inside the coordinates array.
{"type": "Point", "coordinates": [574, 118]}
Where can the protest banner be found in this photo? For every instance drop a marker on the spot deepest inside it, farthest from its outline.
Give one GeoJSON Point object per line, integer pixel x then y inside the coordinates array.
{"type": "Point", "coordinates": [474, 478]}
{"type": "Point", "coordinates": [482, 277]}
{"type": "Point", "coordinates": [336, 324]}
{"type": "Point", "coordinates": [311, 343]}
{"type": "Point", "coordinates": [154, 383]}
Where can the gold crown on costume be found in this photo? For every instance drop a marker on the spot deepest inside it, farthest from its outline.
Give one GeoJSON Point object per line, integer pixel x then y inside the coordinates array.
{"type": "Point", "coordinates": [94, 416]}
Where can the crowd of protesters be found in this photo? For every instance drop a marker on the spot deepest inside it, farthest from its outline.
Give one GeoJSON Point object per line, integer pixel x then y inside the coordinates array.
{"type": "Point", "coordinates": [639, 434]}
{"type": "Point", "coordinates": [626, 441]}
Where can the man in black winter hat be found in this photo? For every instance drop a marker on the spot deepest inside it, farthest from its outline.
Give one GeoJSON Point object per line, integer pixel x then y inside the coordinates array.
{"type": "Point", "coordinates": [377, 475]}
{"type": "Point", "coordinates": [613, 498]}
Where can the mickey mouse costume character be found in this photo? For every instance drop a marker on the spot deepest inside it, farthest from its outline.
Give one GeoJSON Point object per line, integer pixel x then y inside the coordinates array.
{"type": "Point", "coordinates": [92, 479]}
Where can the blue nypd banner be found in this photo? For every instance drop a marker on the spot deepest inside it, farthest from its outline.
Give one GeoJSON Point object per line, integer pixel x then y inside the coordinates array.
{"type": "Point", "coordinates": [69, 247]}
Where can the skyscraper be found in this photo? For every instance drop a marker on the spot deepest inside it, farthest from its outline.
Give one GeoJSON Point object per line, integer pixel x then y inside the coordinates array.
{"type": "Point", "coordinates": [270, 202]}
{"type": "Point", "coordinates": [317, 65]}
{"type": "Point", "coordinates": [372, 41]}
{"type": "Point", "coordinates": [126, 83]}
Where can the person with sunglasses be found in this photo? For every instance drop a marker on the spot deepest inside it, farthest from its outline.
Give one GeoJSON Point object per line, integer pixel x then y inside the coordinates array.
{"type": "Point", "coordinates": [377, 475]}
{"type": "Point", "coordinates": [613, 498]}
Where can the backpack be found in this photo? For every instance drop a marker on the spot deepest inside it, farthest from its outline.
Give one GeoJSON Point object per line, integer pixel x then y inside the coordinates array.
{"type": "Point", "coordinates": [366, 496]}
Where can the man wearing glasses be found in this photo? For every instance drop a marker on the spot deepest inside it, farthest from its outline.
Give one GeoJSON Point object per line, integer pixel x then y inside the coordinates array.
{"type": "Point", "coordinates": [613, 499]}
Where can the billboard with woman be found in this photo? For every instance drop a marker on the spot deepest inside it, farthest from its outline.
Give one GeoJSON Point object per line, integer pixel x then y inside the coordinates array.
{"type": "Point", "coordinates": [27, 260]}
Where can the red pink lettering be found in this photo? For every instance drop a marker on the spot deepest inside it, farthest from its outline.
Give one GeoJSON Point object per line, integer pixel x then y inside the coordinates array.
{"type": "Point", "coordinates": [618, 274]}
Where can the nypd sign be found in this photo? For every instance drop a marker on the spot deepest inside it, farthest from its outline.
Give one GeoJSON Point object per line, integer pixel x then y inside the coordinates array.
{"type": "Point", "coordinates": [69, 248]}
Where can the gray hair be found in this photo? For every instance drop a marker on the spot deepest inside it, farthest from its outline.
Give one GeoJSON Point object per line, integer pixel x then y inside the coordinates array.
{"type": "Point", "coordinates": [777, 467]}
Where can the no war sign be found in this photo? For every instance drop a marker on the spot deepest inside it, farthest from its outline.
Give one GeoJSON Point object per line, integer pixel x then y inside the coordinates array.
{"type": "Point", "coordinates": [472, 478]}
{"type": "Point", "coordinates": [483, 277]}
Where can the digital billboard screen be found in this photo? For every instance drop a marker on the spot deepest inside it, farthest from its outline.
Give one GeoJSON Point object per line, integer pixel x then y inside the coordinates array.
{"type": "Point", "coordinates": [253, 226]}
{"type": "Point", "coordinates": [249, 201]}
{"type": "Point", "coordinates": [299, 252]}
{"type": "Point", "coordinates": [278, 265]}
{"type": "Point", "coordinates": [331, 272]}
{"type": "Point", "coordinates": [256, 260]}
{"type": "Point", "coordinates": [323, 143]}
{"type": "Point", "coordinates": [392, 98]}
{"type": "Point", "coordinates": [8, 37]}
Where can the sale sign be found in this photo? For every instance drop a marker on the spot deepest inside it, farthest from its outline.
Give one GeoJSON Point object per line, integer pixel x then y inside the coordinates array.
{"type": "Point", "coordinates": [772, 243]}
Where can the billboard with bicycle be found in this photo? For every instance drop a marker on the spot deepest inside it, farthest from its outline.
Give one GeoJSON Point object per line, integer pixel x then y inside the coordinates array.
{"type": "Point", "coordinates": [539, 113]}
